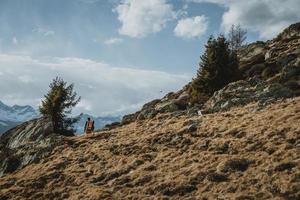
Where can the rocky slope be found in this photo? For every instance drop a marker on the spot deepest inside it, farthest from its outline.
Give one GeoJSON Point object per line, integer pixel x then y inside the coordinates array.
{"type": "Point", "coordinates": [244, 153]}
{"type": "Point", "coordinates": [245, 144]}
{"type": "Point", "coordinates": [271, 70]}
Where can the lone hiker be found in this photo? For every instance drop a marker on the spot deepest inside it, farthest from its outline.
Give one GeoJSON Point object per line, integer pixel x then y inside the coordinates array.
{"type": "Point", "coordinates": [89, 126]}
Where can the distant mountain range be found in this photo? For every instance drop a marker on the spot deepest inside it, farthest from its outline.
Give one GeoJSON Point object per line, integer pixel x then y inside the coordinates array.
{"type": "Point", "coordinates": [11, 116]}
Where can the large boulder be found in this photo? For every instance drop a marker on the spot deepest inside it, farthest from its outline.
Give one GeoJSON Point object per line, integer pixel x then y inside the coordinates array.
{"type": "Point", "coordinates": [252, 54]}
{"type": "Point", "coordinates": [148, 110]}
{"type": "Point", "coordinates": [25, 144]}
{"type": "Point", "coordinates": [169, 106]}
{"type": "Point", "coordinates": [268, 59]}
{"type": "Point", "coordinates": [182, 101]}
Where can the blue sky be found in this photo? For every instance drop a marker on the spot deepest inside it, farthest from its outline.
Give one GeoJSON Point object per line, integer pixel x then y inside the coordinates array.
{"type": "Point", "coordinates": [79, 28]}
{"type": "Point", "coordinates": [119, 53]}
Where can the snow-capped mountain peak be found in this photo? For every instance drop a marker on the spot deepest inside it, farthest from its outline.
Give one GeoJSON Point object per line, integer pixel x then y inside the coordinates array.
{"type": "Point", "coordinates": [11, 116]}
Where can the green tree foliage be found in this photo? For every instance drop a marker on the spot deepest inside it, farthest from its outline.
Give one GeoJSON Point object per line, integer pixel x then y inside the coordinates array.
{"type": "Point", "coordinates": [218, 66]}
{"type": "Point", "coordinates": [58, 103]}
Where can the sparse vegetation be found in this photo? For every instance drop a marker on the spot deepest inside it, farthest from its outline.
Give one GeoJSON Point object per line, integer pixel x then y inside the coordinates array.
{"type": "Point", "coordinates": [151, 159]}
{"type": "Point", "coordinates": [236, 37]}
{"type": "Point", "coordinates": [58, 103]}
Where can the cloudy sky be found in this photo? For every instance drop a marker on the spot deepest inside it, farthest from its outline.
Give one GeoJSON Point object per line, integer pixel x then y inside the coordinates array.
{"type": "Point", "coordinates": [119, 53]}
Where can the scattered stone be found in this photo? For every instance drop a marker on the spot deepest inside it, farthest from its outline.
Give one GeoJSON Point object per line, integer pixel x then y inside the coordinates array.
{"type": "Point", "coordinates": [234, 165]}
{"type": "Point", "coordinates": [216, 177]}
{"type": "Point", "coordinates": [285, 166]}
{"type": "Point", "coordinates": [192, 128]}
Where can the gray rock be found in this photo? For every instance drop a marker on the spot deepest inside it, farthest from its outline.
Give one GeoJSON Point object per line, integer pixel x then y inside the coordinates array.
{"type": "Point", "coordinates": [268, 55]}
{"type": "Point", "coordinates": [296, 51]}
{"type": "Point", "coordinates": [289, 72]}
{"type": "Point", "coordinates": [252, 54]}
{"type": "Point", "coordinates": [192, 128]}
{"type": "Point", "coordinates": [151, 104]}
{"type": "Point", "coordinates": [26, 144]}
{"type": "Point", "coordinates": [169, 106]}
{"type": "Point", "coordinates": [183, 100]}
{"type": "Point", "coordinates": [129, 118]}
{"type": "Point", "coordinates": [243, 92]}
{"type": "Point", "coordinates": [252, 51]}
{"type": "Point", "coordinates": [147, 114]}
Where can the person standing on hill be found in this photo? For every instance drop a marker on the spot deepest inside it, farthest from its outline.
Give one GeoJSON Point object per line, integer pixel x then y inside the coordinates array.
{"type": "Point", "coordinates": [89, 126]}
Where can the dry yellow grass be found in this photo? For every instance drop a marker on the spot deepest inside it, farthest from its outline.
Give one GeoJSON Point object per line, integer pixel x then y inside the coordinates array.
{"type": "Point", "coordinates": [244, 153]}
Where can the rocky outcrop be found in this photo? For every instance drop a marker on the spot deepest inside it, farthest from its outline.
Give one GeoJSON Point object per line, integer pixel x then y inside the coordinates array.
{"type": "Point", "coordinates": [271, 71]}
{"type": "Point", "coordinates": [243, 92]}
{"type": "Point", "coordinates": [172, 102]}
{"type": "Point", "coordinates": [251, 56]}
{"type": "Point", "coordinates": [293, 31]}
{"type": "Point", "coordinates": [25, 144]}
{"type": "Point", "coordinates": [276, 60]}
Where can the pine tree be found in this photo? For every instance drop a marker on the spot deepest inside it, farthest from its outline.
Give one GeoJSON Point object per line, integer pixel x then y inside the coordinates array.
{"type": "Point", "coordinates": [218, 66]}
{"type": "Point", "coordinates": [58, 103]}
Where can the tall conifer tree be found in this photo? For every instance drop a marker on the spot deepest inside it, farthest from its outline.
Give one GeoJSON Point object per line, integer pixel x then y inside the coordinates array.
{"type": "Point", "coordinates": [218, 66]}
{"type": "Point", "coordinates": [58, 103]}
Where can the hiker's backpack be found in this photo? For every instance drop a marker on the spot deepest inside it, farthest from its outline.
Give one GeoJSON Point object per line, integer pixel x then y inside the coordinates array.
{"type": "Point", "coordinates": [90, 125]}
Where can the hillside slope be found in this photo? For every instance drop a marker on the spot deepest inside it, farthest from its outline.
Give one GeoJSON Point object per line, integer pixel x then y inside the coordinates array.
{"type": "Point", "coordinates": [244, 153]}
{"type": "Point", "coordinates": [246, 145]}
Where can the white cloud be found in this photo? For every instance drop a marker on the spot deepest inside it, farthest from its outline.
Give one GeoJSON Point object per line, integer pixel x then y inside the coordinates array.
{"type": "Point", "coordinates": [211, 1]}
{"type": "Point", "coordinates": [191, 27]}
{"type": "Point", "coordinates": [113, 41]}
{"type": "Point", "coordinates": [85, 105]}
{"type": "Point", "coordinates": [44, 32]}
{"type": "Point", "coordinates": [266, 17]}
{"type": "Point", "coordinates": [89, 1]}
{"type": "Point", "coordinates": [140, 18]}
{"type": "Point", "coordinates": [25, 78]}
{"type": "Point", "coordinates": [105, 89]}
{"type": "Point", "coordinates": [15, 41]}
